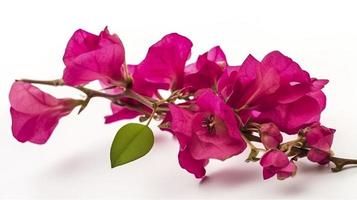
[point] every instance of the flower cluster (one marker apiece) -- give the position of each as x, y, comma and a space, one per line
214, 109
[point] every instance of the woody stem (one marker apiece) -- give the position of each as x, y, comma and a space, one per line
56, 82
341, 162
59, 82
128, 93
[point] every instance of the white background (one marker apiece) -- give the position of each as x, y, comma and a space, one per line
320, 35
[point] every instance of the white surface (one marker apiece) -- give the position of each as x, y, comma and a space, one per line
320, 35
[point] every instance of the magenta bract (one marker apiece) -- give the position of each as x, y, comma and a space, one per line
165, 61
204, 73
89, 57
35, 114
274, 90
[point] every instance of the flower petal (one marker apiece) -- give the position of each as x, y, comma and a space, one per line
196, 167
34, 113
120, 113
165, 61
89, 57
206, 71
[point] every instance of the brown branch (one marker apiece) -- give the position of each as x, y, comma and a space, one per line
341, 162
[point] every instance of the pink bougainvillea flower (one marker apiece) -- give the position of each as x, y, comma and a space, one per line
319, 139
242, 86
205, 72
89, 57
207, 130
270, 135
277, 162
163, 66
35, 114
274, 90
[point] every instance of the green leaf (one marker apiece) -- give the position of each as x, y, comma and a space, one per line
131, 142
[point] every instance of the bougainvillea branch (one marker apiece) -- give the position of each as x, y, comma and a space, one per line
214, 110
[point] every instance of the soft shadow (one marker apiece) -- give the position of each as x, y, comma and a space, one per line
92, 157
313, 168
230, 177
294, 189
80, 162
299, 185
238, 177
161, 138
62, 179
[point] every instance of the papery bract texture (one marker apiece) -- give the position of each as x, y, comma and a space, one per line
163, 66
204, 73
274, 90
35, 114
89, 57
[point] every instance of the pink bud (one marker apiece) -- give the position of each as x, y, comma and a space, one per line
277, 162
270, 135
319, 139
